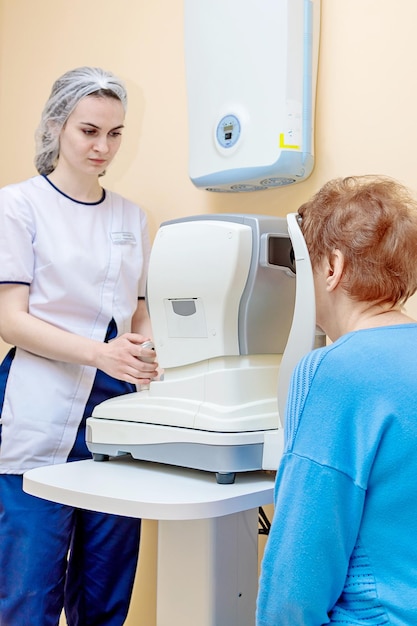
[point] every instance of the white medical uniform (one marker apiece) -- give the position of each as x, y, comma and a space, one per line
85, 264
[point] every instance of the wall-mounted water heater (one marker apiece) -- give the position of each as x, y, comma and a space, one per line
251, 68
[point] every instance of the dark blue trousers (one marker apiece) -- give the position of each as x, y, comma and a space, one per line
54, 555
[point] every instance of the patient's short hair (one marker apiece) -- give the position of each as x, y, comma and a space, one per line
372, 220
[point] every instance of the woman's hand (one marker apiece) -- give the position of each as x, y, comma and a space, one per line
122, 359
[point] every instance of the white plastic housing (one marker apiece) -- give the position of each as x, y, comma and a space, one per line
251, 72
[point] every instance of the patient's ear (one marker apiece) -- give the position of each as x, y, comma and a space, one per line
335, 267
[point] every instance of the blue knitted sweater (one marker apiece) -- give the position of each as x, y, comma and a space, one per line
343, 543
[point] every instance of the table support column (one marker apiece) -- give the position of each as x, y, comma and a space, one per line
208, 571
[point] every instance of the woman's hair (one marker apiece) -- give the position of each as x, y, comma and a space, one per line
372, 220
66, 93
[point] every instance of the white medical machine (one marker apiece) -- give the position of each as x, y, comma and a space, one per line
251, 73
231, 300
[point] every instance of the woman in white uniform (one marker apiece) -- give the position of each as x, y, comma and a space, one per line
73, 262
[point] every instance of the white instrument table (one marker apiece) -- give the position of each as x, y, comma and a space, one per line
207, 533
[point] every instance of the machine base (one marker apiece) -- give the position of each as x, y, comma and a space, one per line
237, 452
218, 459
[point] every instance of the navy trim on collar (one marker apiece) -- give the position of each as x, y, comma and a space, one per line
73, 199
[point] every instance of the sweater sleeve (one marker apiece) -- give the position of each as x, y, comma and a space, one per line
317, 515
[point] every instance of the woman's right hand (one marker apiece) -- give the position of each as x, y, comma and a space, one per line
122, 358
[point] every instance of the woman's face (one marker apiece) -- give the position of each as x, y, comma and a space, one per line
91, 135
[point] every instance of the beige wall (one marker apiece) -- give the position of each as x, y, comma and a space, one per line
367, 92
366, 122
